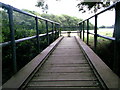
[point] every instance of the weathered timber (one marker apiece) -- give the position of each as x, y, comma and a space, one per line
64, 83
110, 79
19, 78
65, 67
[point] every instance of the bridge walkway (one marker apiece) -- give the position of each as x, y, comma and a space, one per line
65, 67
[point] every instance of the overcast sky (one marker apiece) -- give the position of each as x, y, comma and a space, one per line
62, 7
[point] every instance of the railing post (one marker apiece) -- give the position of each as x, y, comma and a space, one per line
116, 64
37, 34
52, 32
58, 30
95, 31
87, 31
80, 26
83, 29
55, 32
12, 32
47, 33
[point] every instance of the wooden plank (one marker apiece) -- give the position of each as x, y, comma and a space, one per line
67, 54
17, 80
64, 88
60, 63
64, 76
63, 46
64, 83
65, 69
67, 65
64, 51
66, 61
66, 58
110, 79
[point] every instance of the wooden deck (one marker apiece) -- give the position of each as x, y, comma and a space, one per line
65, 67
67, 63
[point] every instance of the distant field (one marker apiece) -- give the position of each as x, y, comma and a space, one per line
106, 32
101, 41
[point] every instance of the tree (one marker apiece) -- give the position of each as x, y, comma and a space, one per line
67, 21
43, 5
92, 6
83, 5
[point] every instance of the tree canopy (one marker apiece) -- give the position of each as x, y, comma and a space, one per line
88, 6
83, 5
42, 4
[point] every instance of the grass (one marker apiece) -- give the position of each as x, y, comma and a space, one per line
105, 48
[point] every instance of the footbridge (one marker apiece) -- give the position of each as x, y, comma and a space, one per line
66, 62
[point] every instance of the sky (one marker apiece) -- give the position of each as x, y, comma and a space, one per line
67, 7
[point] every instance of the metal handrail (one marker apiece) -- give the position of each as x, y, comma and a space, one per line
115, 39
55, 30
106, 37
108, 8
23, 39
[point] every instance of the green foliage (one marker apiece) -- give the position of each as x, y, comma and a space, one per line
25, 26
5, 26
42, 5
66, 21
89, 5
94, 5
105, 48
83, 5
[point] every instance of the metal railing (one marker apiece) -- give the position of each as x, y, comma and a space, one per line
115, 39
54, 32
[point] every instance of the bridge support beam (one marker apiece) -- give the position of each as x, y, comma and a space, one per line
116, 66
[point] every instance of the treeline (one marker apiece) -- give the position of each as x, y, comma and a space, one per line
67, 22
24, 26
64, 20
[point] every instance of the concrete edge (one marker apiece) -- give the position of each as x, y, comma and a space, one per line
111, 80
21, 76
